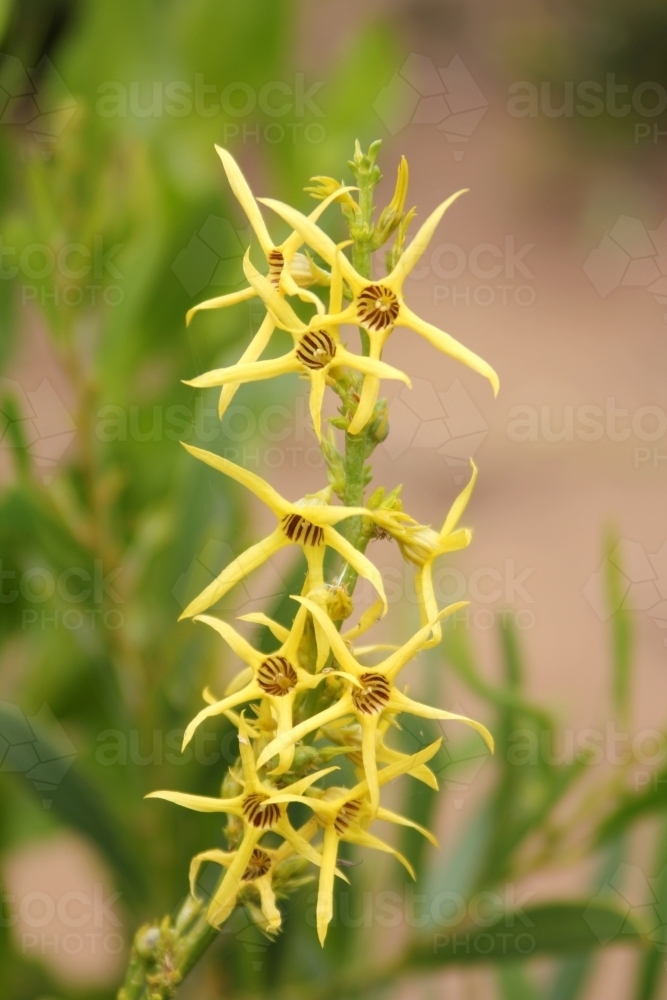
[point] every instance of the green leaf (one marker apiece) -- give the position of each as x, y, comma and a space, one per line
566, 928
621, 626
651, 973
635, 807
44, 761
515, 983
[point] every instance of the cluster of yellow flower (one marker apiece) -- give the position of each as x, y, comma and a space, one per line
315, 697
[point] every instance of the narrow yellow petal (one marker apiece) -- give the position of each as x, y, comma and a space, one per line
391, 666
253, 371
458, 507
311, 725
297, 842
315, 238
282, 709
251, 353
369, 366
241, 646
199, 803
403, 765
423, 236
324, 911
282, 311
368, 725
367, 620
392, 817
250, 480
259, 618
340, 650
448, 345
268, 902
246, 199
357, 560
247, 693
249, 560
224, 899
221, 302
223, 858
318, 381
401, 703
293, 242
365, 839
367, 400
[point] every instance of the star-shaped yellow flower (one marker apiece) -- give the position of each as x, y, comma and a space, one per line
422, 545
345, 814
278, 678
316, 354
259, 812
258, 876
307, 523
379, 306
373, 694
289, 271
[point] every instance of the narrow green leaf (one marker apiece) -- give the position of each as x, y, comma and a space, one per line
44, 761
621, 626
566, 928
635, 807
651, 975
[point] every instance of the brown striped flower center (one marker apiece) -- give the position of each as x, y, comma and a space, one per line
346, 816
316, 349
298, 529
378, 307
259, 864
258, 812
276, 676
276, 264
373, 696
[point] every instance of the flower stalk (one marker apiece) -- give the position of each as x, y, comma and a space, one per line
313, 717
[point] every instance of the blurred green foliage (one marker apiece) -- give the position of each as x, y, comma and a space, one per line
120, 520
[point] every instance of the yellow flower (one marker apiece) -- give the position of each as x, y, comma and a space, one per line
316, 354
378, 306
373, 695
258, 875
259, 811
345, 814
422, 545
308, 523
277, 678
289, 270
